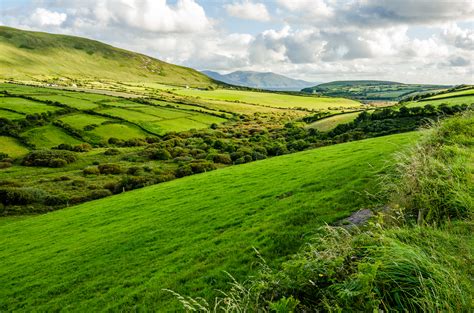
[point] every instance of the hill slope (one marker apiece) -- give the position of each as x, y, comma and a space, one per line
370, 89
270, 81
119, 253
26, 55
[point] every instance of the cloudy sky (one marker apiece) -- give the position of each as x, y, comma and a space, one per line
417, 41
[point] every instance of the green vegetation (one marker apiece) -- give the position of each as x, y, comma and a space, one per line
372, 90
25, 106
61, 59
48, 136
182, 234
462, 95
12, 147
329, 123
416, 256
275, 100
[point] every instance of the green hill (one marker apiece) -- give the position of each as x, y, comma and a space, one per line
27, 55
119, 253
371, 90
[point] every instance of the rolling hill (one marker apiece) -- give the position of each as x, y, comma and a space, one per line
268, 80
371, 90
118, 253
27, 55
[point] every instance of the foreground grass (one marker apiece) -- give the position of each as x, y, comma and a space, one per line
119, 253
415, 257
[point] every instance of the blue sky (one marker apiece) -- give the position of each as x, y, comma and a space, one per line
317, 40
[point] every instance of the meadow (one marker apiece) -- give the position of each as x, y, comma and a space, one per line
119, 253
458, 96
329, 123
275, 100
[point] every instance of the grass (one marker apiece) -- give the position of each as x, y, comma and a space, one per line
271, 99
48, 136
118, 253
12, 147
79, 121
25, 106
467, 92
75, 103
11, 115
327, 124
120, 131
29, 55
449, 101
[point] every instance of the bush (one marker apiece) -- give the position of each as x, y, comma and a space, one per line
110, 168
91, 170
3, 156
112, 151
5, 165
83, 147
49, 158
159, 154
222, 158
21, 195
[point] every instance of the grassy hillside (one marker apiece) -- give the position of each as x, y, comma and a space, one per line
455, 96
26, 55
118, 253
371, 90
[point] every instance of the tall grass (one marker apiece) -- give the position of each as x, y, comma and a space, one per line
433, 181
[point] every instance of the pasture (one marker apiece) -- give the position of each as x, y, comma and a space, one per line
25, 106
328, 123
119, 253
12, 147
275, 100
48, 136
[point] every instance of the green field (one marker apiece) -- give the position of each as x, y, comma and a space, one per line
9, 115
271, 99
79, 121
326, 124
12, 147
79, 104
448, 100
467, 92
119, 253
25, 106
120, 131
48, 136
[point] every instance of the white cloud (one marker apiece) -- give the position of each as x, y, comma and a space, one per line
309, 8
248, 10
43, 17
186, 16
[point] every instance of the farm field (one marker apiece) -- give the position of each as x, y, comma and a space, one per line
451, 98
9, 115
467, 92
272, 99
326, 124
25, 106
48, 136
12, 147
131, 246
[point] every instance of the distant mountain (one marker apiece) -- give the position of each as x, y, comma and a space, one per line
270, 81
371, 90
27, 55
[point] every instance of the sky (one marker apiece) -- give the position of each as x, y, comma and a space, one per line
412, 41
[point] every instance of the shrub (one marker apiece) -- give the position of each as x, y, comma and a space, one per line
3, 156
184, 170
222, 158
5, 165
91, 170
83, 147
159, 154
49, 158
110, 168
21, 195
112, 151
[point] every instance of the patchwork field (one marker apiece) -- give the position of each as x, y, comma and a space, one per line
48, 136
271, 99
461, 97
12, 147
25, 106
326, 124
119, 253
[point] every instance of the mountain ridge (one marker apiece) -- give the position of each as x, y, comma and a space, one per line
261, 80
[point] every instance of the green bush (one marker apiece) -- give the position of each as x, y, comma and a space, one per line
112, 152
110, 168
49, 158
91, 170
21, 195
